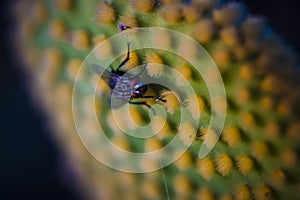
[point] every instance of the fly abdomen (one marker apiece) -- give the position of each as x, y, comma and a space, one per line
123, 89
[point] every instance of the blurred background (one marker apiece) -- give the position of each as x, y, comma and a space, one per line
31, 165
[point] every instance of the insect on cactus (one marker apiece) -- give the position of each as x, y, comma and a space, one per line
127, 88
256, 156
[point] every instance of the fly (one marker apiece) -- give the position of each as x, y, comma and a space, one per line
126, 89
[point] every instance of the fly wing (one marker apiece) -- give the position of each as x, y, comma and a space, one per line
109, 78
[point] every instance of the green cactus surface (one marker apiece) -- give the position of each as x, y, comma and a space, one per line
256, 155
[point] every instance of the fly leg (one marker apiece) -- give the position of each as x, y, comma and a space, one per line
142, 103
157, 98
126, 59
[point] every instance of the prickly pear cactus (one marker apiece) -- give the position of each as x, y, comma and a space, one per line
253, 156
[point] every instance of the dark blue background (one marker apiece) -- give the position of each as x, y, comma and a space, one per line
30, 163
29, 160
